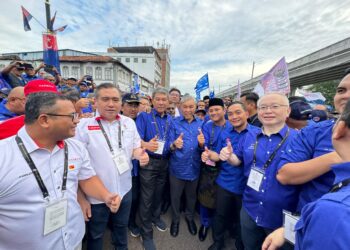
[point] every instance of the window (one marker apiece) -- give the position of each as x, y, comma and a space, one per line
108, 74
65, 71
127, 60
98, 73
89, 71
75, 72
136, 60
144, 60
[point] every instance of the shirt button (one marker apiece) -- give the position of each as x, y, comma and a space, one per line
263, 190
264, 178
268, 152
261, 202
270, 140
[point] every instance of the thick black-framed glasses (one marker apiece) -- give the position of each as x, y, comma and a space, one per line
74, 115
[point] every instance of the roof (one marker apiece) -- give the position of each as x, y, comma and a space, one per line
135, 49
86, 59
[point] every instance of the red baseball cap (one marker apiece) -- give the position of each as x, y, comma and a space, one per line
39, 85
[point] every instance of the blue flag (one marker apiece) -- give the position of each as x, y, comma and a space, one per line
136, 88
211, 94
203, 83
51, 51
26, 18
198, 95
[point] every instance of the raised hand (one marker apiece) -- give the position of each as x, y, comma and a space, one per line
153, 144
226, 152
179, 141
144, 158
200, 138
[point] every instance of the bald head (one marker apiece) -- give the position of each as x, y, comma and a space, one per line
275, 96
16, 100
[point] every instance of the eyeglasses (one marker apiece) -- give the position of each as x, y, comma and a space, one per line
74, 116
273, 107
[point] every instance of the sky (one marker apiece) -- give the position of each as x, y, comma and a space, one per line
221, 38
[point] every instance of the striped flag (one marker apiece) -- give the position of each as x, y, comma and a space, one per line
26, 18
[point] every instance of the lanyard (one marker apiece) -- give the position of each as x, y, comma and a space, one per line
106, 137
272, 156
35, 171
157, 129
340, 185
211, 140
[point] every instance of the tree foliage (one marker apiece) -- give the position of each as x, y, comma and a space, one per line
326, 88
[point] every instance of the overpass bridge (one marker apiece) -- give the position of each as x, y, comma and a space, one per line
326, 64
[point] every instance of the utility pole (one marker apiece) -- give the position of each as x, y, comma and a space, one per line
48, 16
253, 70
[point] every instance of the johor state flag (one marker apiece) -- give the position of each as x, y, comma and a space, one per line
26, 18
203, 83
51, 51
277, 78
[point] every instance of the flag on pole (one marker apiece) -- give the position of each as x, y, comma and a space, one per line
60, 29
51, 50
277, 78
203, 83
198, 95
136, 87
26, 18
310, 96
52, 21
259, 90
211, 94
239, 91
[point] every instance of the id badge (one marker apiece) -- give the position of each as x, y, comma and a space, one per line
290, 221
255, 178
121, 162
160, 147
55, 215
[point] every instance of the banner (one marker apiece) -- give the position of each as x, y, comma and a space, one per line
203, 83
259, 90
310, 96
277, 78
198, 95
136, 87
211, 94
51, 51
239, 91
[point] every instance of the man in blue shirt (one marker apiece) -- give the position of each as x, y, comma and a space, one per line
324, 223
184, 164
30, 73
231, 181
13, 105
211, 133
308, 159
264, 197
153, 128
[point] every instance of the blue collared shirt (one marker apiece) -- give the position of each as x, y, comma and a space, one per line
212, 134
312, 141
185, 163
325, 224
147, 124
231, 178
5, 114
28, 78
265, 207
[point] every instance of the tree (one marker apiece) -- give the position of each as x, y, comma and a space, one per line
326, 88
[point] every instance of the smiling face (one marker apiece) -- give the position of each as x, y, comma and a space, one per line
237, 116
342, 94
108, 103
216, 113
188, 109
273, 110
160, 102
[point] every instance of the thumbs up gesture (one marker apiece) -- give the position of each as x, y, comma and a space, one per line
200, 138
205, 155
143, 158
153, 144
226, 152
179, 141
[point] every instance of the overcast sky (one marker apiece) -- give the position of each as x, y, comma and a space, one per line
222, 38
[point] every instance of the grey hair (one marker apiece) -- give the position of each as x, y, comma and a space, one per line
160, 90
186, 98
38, 103
72, 94
285, 98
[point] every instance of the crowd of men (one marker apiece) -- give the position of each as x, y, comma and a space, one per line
261, 168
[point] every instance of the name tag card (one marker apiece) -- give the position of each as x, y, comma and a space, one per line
255, 178
55, 216
160, 147
121, 162
289, 226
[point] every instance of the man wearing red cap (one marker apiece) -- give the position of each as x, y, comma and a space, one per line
10, 127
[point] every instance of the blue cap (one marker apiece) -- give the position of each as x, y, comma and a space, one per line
319, 115
300, 110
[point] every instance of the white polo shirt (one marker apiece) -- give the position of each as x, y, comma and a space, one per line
22, 205
89, 132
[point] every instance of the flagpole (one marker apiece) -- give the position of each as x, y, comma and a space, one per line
39, 22
48, 16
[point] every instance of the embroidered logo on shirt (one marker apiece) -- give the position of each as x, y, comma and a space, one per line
94, 128
71, 167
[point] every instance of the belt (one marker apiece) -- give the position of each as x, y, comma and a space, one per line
158, 157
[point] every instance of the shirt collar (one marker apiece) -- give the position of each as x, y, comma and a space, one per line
157, 114
341, 171
100, 118
244, 130
281, 133
30, 144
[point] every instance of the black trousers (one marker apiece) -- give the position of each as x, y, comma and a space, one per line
177, 187
135, 189
152, 181
228, 206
